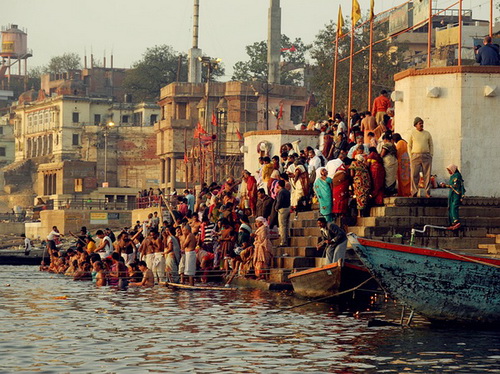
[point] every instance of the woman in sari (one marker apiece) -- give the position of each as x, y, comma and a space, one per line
388, 155
361, 182
340, 186
299, 179
455, 196
377, 174
404, 181
323, 190
262, 248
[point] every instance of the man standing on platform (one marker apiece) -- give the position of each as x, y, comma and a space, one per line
421, 151
380, 106
488, 54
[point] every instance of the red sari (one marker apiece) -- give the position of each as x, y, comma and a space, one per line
252, 192
340, 187
377, 174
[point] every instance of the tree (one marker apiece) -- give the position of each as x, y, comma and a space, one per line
160, 66
63, 63
388, 59
256, 66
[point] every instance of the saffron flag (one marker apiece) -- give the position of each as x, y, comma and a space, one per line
199, 130
280, 113
372, 9
186, 159
238, 134
356, 12
340, 23
291, 49
214, 119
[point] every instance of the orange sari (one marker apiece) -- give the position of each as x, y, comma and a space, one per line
404, 181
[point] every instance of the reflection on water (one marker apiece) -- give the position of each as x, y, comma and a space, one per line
159, 330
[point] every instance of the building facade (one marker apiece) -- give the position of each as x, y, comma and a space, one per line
76, 143
228, 111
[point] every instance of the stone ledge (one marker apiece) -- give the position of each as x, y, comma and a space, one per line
447, 70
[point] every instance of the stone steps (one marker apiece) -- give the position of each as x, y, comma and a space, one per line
417, 211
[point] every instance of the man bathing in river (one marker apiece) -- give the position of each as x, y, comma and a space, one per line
148, 279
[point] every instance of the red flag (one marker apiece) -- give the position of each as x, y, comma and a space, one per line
291, 49
199, 130
214, 119
238, 134
186, 159
280, 113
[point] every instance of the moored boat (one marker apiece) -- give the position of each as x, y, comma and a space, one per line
317, 282
440, 285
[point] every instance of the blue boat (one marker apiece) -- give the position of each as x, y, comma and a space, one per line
438, 284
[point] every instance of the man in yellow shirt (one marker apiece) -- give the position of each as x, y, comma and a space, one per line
421, 150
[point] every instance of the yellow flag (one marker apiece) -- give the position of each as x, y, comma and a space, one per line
356, 12
340, 23
372, 9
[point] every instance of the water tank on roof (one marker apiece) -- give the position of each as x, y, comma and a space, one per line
14, 42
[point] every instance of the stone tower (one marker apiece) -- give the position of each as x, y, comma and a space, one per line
274, 42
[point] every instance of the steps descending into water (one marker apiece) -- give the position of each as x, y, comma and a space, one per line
393, 222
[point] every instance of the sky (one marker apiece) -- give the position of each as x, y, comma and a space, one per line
127, 28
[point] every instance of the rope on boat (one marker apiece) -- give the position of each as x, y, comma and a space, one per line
469, 259
323, 298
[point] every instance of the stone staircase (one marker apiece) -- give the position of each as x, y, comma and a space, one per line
479, 234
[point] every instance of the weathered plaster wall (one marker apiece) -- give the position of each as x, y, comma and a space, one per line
276, 138
462, 120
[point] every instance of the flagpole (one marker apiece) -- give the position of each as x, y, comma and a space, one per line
370, 64
460, 32
429, 35
350, 79
335, 72
491, 18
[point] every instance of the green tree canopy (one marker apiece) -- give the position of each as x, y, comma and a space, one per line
159, 66
63, 63
388, 59
256, 66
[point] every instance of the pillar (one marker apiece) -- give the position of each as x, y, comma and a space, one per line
166, 171
172, 173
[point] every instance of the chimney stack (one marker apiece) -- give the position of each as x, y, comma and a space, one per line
194, 73
274, 42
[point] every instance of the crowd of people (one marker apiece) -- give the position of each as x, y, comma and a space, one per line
227, 229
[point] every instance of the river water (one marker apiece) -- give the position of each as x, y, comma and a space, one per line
50, 324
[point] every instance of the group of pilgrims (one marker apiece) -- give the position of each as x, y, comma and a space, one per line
226, 229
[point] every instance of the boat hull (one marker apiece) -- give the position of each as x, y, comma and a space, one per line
317, 282
439, 285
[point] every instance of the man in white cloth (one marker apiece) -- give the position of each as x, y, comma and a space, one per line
187, 268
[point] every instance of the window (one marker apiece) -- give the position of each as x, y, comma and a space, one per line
2, 151
152, 119
76, 117
181, 110
138, 119
79, 185
97, 119
1, 130
76, 140
124, 119
296, 114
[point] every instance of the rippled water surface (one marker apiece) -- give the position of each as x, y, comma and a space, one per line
48, 323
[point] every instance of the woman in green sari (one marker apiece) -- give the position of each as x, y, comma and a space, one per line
455, 196
323, 191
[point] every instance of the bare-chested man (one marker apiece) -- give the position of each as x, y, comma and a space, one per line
149, 247
148, 279
187, 266
158, 266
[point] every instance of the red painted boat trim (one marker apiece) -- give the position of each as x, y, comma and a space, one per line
314, 270
356, 267
425, 251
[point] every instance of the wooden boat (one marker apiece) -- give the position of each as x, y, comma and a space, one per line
317, 282
438, 284
196, 288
